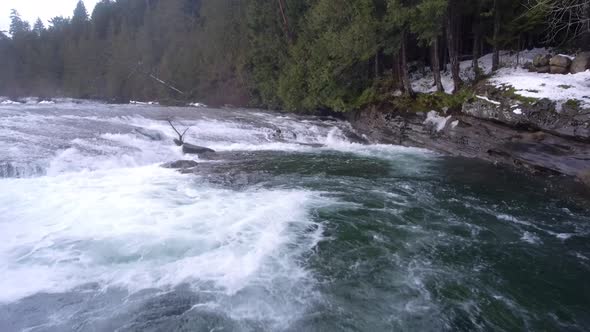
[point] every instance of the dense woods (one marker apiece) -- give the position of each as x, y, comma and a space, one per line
293, 54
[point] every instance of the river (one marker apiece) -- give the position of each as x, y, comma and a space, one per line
291, 226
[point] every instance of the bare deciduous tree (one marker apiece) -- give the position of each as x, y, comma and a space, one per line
566, 19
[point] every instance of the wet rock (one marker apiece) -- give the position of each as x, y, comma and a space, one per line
181, 164
584, 176
541, 114
541, 60
581, 63
152, 135
498, 138
195, 149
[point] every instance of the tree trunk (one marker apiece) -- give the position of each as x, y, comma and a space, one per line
403, 61
496, 37
435, 53
378, 64
476, 43
395, 72
585, 39
476, 69
286, 27
452, 29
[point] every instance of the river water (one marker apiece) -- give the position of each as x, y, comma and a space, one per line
289, 227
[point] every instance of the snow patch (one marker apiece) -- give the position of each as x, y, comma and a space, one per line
517, 111
438, 121
488, 100
558, 88
423, 80
200, 105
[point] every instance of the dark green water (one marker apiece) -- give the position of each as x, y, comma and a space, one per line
439, 244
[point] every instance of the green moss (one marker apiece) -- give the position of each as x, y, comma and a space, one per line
565, 86
573, 103
433, 101
511, 93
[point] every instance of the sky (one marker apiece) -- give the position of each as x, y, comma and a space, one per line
45, 9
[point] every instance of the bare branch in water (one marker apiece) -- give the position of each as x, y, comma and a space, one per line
180, 140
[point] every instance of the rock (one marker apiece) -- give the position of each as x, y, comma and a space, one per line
560, 61
541, 60
559, 70
543, 70
489, 133
529, 66
581, 63
181, 164
153, 135
195, 149
584, 176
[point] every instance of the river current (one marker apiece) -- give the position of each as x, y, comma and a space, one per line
291, 226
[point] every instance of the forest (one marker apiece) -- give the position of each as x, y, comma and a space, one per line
298, 55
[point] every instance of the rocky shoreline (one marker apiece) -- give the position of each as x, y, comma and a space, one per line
492, 126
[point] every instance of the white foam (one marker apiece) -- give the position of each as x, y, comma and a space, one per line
147, 227
530, 238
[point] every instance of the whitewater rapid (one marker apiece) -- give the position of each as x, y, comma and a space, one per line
84, 201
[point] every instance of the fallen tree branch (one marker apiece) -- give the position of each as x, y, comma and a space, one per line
180, 140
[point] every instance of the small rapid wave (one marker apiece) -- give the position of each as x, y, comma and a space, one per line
91, 137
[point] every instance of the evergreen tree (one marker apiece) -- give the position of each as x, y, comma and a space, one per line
39, 27
18, 27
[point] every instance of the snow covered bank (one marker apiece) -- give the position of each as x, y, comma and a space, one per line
558, 88
423, 82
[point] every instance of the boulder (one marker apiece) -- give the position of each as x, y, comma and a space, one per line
541, 60
543, 70
560, 61
581, 63
195, 149
559, 70
181, 164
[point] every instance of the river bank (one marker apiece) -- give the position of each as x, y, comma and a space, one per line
468, 134
518, 117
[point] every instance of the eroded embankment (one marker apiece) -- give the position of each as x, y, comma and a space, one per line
494, 125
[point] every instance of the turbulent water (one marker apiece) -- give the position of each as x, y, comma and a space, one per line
289, 227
